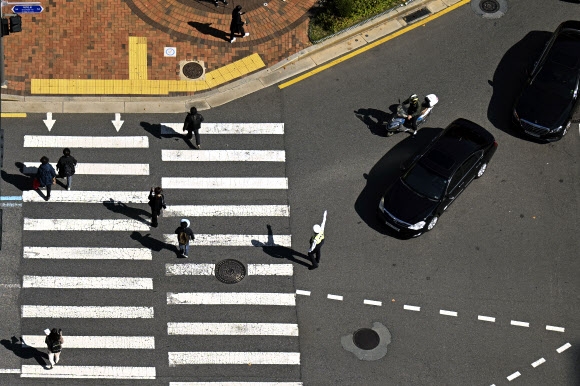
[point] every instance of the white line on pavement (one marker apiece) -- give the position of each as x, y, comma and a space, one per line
226, 128
448, 313
235, 298
223, 155
87, 312
58, 253
77, 142
235, 240
9, 371
513, 376
209, 269
334, 297
227, 210
89, 197
71, 282
234, 383
63, 224
373, 302
521, 324
411, 308
87, 372
554, 328
93, 342
282, 329
233, 358
97, 169
302, 292
224, 183
270, 269
538, 362
563, 348
486, 318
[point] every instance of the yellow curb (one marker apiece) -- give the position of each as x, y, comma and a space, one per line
12, 115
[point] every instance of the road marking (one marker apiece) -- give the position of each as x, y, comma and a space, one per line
89, 197
554, 328
373, 302
235, 240
224, 155
411, 308
334, 297
209, 269
10, 198
448, 313
97, 169
486, 318
233, 358
224, 183
10, 285
70, 282
234, 383
281, 329
10, 204
513, 376
86, 372
234, 298
372, 45
226, 128
302, 292
521, 324
63, 224
270, 269
92, 342
563, 348
227, 210
87, 312
538, 362
9, 371
58, 253
77, 142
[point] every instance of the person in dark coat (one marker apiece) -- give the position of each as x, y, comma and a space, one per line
46, 175
66, 167
192, 123
184, 236
237, 24
156, 202
54, 343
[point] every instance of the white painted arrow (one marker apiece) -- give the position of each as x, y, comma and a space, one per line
49, 122
118, 122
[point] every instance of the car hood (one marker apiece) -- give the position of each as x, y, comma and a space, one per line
406, 205
543, 107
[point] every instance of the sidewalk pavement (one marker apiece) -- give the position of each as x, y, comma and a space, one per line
113, 50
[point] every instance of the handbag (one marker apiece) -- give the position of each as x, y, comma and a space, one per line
35, 183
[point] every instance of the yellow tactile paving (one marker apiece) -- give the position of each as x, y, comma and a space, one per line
137, 57
12, 115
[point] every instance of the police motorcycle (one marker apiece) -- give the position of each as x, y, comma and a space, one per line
398, 121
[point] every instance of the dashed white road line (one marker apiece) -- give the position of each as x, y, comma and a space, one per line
486, 318
232, 298
64, 224
233, 358
89, 197
223, 155
249, 183
538, 362
70, 282
87, 312
554, 328
226, 128
227, 210
88, 372
87, 253
334, 297
97, 169
267, 329
94, 342
521, 324
225, 240
85, 141
513, 376
411, 308
373, 302
563, 348
302, 292
448, 313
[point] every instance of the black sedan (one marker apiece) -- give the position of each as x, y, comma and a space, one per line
434, 178
549, 100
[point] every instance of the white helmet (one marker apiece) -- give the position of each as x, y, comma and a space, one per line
185, 221
316, 228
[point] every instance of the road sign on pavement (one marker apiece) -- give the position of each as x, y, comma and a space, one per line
27, 9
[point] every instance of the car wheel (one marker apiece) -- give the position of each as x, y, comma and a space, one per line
481, 170
432, 223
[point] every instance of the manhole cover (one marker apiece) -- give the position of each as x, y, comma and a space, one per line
489, 6
192, 70
230, 271
366, 339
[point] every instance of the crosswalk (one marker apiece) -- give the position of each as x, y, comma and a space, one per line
94, 266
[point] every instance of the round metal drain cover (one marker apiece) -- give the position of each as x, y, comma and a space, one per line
230, 271
489, 6
192, 70
366, 339
489, 9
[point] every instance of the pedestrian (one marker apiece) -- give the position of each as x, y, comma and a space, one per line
156, 202
66, 167
237, 24
193, 122
46, 175
216, 2
54, 343
316, 242
184, 236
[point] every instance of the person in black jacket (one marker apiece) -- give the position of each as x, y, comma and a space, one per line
156, 202
54, 343
66, 167
413, 111
184, 236
46, 175
237, 24
193, 122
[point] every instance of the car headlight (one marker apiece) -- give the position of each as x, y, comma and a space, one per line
382, 204
417, 226
556, 130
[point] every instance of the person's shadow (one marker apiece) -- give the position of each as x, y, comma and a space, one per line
20, 181
156, 131
278, 251
153, 129
25, 352
120, 207
376, 120
150, 243
207, 29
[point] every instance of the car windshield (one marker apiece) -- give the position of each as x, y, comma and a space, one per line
557, 78
425, 182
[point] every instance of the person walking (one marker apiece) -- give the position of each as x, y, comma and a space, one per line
54, 341
184, 236
316, 242
156, 202
46, 175
193, 122
66, 167
237, 24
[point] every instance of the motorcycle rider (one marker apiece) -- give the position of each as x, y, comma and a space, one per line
413, 111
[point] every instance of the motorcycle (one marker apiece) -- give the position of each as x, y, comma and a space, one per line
398, 121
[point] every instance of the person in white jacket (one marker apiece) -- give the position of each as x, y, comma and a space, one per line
316, 242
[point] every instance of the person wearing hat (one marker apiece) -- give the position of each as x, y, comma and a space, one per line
184, 236
237, 24
192, 123
316, 241
54, 343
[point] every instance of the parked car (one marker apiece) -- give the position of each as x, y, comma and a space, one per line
433, 179
549, 100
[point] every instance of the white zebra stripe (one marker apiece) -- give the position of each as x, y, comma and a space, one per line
70, 282
235, 383
89, 197
280, 329
209, 269
77, 142
222, 240
233, 298
224, 183
270, 269
233, 358
226, 128
63, 224
227, 210
97, 169
88, 372
58, 253
94, 342
87, 312
224, 155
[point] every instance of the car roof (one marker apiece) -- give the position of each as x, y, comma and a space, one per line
566, 49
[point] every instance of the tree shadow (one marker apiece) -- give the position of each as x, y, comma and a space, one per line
278, 251
122, 208
207, 29
376, 120
155, 245
21, 350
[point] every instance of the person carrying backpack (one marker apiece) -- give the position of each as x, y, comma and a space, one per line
46, 175
54, 343
66, 167
192, 123
184, 236
156, 202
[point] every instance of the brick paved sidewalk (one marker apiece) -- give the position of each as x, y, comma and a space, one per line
89, 40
